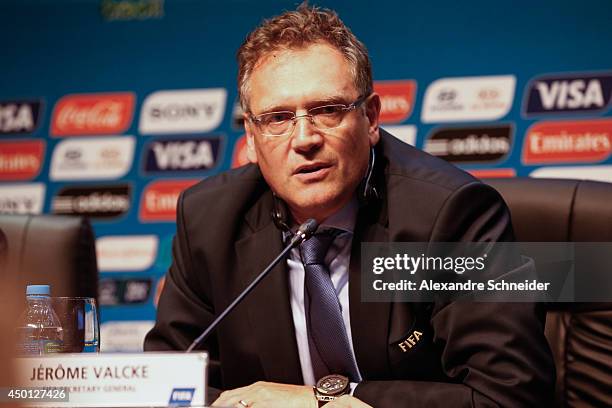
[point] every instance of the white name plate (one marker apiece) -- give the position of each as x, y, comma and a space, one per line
116, 380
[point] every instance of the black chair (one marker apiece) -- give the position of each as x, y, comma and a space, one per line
50, 249
579, 334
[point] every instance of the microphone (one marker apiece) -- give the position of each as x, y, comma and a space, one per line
304, 232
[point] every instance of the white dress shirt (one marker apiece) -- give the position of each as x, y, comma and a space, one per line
337, 258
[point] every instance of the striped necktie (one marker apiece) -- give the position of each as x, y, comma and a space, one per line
327, 337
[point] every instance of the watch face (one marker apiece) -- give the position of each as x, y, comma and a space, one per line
332, 384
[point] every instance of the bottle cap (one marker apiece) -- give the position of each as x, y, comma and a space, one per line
38, 290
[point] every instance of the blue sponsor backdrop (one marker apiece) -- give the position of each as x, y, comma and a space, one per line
54, 48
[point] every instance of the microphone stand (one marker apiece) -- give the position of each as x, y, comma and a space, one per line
304, 232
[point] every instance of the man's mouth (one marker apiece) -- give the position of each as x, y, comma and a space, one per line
312, 171
311, 168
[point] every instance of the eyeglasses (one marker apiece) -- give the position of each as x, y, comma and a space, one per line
322, 117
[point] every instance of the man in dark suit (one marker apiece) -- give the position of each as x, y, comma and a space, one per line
312, 130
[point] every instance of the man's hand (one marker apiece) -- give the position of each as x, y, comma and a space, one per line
346, 401
266, 394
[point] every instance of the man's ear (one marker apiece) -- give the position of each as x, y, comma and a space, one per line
250, 138
372, 110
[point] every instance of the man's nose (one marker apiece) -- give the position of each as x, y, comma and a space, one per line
305, 136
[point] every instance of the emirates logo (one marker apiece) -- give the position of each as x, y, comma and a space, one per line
581, 141
21, 160
158, 200
397, 98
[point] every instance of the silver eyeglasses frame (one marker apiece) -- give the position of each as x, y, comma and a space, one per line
257, 120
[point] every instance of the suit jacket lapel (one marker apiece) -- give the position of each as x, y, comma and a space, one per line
268, 305
369, 321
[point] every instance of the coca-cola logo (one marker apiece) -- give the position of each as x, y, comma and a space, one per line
396, 98
93, 114
21, 160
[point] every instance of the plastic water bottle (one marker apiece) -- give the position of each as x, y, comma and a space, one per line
39, 330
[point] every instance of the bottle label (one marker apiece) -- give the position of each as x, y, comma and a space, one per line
28, 347
52, 347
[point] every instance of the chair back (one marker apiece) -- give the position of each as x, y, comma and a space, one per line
50, 249
579, 334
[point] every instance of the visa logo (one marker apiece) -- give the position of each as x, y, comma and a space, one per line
181, 396
587, 93
19, 116
181, 155
571, 94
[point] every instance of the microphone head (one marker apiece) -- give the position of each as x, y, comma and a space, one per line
308, 228
304, 231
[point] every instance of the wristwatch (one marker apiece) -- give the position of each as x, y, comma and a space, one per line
331, 387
